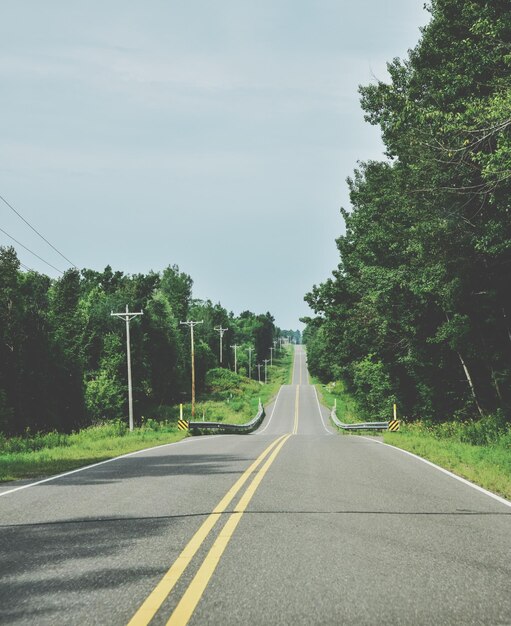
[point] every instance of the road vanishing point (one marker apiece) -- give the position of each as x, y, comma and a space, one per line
293, 524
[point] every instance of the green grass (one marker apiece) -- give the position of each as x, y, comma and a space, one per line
234, 399
335, 392
52, 453
487, 465
478, 451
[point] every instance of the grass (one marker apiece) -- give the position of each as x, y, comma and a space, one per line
478, 451
232, 399
486, 464
52, 453
235, 399
335, 393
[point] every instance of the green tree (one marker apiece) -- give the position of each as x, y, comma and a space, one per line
421, 289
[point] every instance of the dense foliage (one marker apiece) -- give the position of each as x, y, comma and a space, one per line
63, 356
419, 309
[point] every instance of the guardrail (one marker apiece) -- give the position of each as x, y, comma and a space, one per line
358, 425
197, 428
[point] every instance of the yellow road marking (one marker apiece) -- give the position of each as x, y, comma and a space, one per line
297, 399
184, 610
156, 598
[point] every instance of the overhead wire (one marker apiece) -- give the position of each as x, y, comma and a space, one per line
36, 231
25, 267
29, 250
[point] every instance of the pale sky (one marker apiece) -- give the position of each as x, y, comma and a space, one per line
212, 135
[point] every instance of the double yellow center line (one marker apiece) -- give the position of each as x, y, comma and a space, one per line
297, 400
193, 594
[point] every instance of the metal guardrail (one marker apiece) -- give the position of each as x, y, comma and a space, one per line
358, 425
197, 428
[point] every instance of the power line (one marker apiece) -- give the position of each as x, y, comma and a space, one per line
28, 249
25, 267
36, 231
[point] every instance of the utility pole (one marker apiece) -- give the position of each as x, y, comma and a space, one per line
127, 316
266, 361
250, 361
259, 365
271, 356
221, 331
235, 346
192, 324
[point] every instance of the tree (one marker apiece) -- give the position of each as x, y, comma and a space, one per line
66, 324
421, 290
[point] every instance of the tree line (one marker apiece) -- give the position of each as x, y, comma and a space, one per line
418, 310
63, 356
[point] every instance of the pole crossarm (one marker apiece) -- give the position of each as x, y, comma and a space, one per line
127, 316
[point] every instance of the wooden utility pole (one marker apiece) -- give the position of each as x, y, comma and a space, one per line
192, 324
235, 346
127, 316
250, 349
221, 331
266, 361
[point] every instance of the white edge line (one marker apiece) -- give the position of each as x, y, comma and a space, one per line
320, 413
115, 458
273, 411
444, 471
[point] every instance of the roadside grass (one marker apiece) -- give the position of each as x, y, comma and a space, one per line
478, 451
53, 453
335, 392
487, 465
232, 399
235, 399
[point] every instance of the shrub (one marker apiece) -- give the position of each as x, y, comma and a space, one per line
374, 389
104, 396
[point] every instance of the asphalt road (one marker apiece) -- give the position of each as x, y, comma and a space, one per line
294, 524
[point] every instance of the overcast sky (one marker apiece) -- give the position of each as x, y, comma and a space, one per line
212, 135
